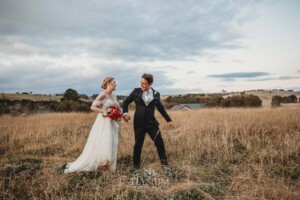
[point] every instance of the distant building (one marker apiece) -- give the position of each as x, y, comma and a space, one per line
188, 106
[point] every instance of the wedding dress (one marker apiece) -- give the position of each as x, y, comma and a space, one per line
102, 143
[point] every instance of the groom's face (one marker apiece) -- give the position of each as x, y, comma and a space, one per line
145, 85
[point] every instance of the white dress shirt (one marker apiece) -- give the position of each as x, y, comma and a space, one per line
148, 96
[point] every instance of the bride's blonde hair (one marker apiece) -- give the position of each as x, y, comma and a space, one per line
106, 81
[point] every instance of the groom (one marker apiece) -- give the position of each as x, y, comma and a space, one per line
146, 99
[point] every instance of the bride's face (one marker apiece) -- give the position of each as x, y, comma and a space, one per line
113, 84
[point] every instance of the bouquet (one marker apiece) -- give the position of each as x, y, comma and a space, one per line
114, 113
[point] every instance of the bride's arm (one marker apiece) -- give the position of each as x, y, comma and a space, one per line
98, 104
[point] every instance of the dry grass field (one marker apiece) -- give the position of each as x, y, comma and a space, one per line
213, 154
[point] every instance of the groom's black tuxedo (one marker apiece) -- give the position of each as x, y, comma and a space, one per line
144, 114
145, 122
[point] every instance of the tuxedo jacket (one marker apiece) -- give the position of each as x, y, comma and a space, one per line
144, 114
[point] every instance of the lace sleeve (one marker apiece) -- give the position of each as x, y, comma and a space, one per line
98, 104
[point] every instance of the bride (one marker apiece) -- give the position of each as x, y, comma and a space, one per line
102, 144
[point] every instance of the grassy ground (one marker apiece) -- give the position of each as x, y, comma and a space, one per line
213, 154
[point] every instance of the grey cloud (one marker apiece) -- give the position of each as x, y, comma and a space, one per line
127, 30
288, 77
239, 75
261, 79
45, 79
25, 46
229, 79
283, 78
129, 77
191, 72
237, 61
40, 78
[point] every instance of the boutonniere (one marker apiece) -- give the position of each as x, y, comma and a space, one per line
155, 92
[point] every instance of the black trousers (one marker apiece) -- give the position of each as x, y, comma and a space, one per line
155, 135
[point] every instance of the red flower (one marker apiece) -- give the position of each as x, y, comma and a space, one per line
114, 113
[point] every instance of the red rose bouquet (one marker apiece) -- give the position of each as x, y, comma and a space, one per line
114, 113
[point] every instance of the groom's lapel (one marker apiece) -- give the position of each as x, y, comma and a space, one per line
141, 93
155, 95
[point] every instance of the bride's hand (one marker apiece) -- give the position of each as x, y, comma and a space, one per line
104, 114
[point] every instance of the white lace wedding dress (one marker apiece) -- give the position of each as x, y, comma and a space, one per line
102, 145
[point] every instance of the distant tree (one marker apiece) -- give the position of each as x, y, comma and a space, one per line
64, 106
201, 99
237, 101
121, 97
70, 102
252, 101
225, 103
71, 94
293, 98
32, 105
83, 96
170, 105
52, 105
276, 100
188, 98
85, 107
75, 106
289, 99
4, 109
214, 101
168, 99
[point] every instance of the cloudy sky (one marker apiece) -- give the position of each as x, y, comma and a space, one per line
189, 46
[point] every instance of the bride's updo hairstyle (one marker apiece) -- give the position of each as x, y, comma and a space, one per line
106, 81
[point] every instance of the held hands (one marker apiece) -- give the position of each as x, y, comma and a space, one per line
126, 117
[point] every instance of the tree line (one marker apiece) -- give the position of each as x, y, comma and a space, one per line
277, 100
74, 102
216, 100
70, 102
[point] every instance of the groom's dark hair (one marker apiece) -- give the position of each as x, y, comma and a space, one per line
148, 78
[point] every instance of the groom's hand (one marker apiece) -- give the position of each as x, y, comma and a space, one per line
170, 124
126, 117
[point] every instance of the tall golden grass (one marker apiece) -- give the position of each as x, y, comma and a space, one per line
213, 154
